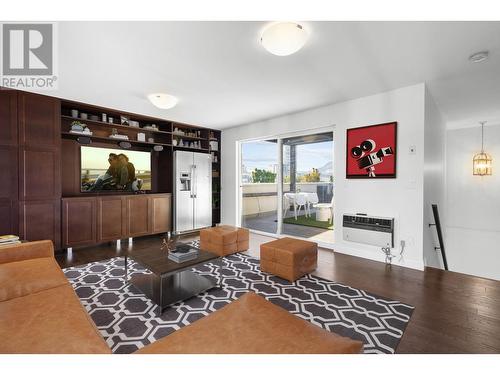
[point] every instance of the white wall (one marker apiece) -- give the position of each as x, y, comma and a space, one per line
434, 178
473, 204
401, 198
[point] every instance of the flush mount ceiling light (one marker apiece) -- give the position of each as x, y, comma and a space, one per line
481, 163
163, 101
479, 56
283, 38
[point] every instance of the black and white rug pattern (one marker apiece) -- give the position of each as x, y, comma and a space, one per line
128, 320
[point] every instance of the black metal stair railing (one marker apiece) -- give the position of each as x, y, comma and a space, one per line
437, 224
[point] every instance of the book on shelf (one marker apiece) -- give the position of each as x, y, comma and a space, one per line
119, 136
89, 133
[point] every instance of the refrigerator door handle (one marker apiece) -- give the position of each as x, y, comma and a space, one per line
195, 182
191, 191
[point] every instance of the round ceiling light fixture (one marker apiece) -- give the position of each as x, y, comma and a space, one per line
162, 100
479, 56
283, 38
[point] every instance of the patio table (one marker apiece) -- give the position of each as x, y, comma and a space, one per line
310, 198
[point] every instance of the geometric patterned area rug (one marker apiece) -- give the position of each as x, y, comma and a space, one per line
128, 320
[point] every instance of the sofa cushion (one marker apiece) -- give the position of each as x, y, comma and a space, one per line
50, 321
18, 279
253, 325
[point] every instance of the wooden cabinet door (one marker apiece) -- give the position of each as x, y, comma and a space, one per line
161, 213
8, 217
110, 215
78, 221
138, 215
40, 220
8, 191
39, 173
39, 120
9, 206
8, 118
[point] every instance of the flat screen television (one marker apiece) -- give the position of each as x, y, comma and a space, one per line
109, 169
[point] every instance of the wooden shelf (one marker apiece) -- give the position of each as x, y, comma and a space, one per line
191, 148
113, 140
188, 137
68, 105
109, 125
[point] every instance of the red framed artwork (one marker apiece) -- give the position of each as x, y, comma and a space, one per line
371, 151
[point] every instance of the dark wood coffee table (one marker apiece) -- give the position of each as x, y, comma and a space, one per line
170, 282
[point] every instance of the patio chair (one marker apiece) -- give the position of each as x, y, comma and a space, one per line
300, 201
312, 199
287, 201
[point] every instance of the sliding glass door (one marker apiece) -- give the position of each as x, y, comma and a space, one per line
259, 185
308, 187
286, 186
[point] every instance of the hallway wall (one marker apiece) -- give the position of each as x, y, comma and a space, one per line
434, 179
473, 203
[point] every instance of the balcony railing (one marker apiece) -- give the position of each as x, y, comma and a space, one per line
261, 198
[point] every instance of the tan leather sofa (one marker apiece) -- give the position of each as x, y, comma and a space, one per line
40, 313
252, 325
224, 240
39, 310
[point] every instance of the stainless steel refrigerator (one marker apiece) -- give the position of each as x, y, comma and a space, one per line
192, 191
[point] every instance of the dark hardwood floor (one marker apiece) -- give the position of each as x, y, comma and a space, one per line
454, 313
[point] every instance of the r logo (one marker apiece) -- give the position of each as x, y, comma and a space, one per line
27, 49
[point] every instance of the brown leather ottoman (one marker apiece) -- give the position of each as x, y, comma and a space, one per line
288, 258
224, 240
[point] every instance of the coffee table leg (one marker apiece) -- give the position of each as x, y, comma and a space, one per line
126, 270
160, 304
221, 268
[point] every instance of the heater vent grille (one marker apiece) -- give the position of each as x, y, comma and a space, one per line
371, 230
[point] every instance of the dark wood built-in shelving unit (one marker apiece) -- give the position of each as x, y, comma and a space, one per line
215, 136
40, 158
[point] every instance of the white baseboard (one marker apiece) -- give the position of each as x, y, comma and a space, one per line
378, 256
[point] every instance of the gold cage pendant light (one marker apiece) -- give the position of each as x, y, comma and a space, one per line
481, 163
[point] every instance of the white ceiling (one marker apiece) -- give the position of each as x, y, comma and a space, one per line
223, 77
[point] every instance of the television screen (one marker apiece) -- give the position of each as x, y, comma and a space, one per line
108, 169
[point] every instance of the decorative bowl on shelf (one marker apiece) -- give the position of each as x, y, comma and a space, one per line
79, 128
134, 124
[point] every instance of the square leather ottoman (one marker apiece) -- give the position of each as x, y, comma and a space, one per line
224, 240
289, 258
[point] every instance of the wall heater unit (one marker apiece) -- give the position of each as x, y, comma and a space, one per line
371, 230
